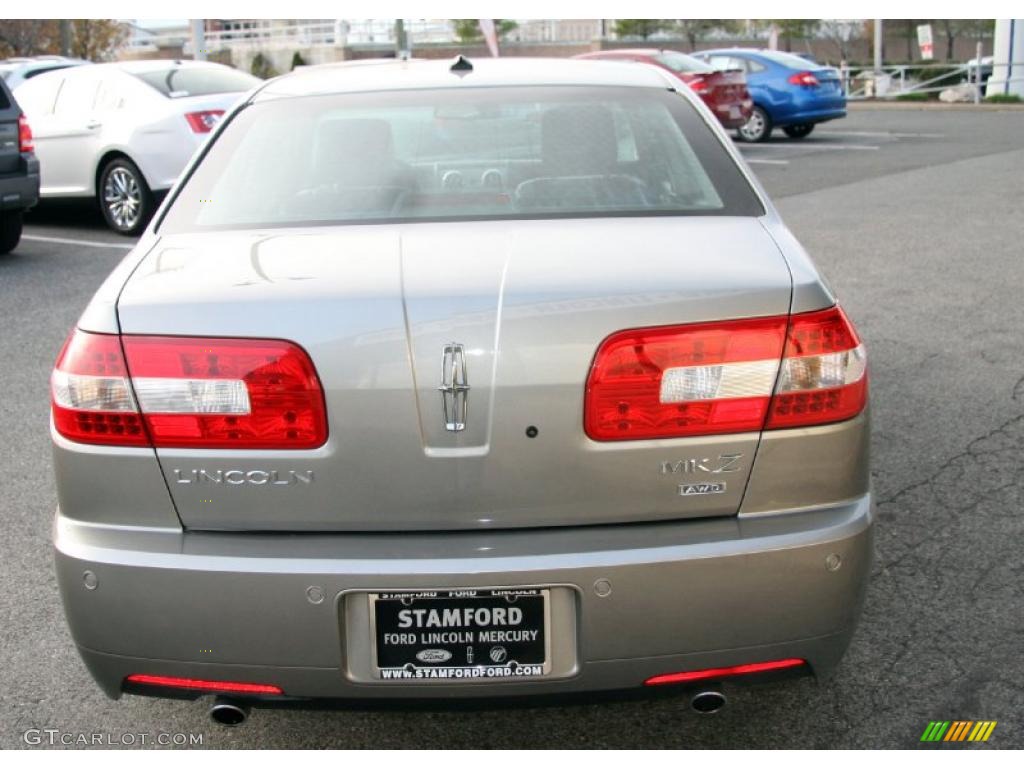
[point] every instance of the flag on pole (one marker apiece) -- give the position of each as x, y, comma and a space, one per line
490, 35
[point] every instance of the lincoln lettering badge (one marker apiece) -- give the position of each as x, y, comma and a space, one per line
454, 387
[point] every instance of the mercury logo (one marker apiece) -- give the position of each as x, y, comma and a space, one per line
242, 477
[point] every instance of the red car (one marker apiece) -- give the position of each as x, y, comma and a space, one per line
725, 92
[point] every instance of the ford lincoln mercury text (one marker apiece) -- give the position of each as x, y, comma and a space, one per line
462, 379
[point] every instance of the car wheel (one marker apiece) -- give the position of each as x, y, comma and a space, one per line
125, 198
757, 128
10, 230
798, 131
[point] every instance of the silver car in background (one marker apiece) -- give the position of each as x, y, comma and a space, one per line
497, 378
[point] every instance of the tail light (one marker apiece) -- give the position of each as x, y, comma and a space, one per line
212, 686
25, 143
823, 377
718, 673
170, 391
204, 121
803, 78
699, 85
715, 378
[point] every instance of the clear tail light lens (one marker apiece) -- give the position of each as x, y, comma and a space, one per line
204, 121
25, 142
179, 392
715, 378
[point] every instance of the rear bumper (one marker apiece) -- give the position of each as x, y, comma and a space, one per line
812, 115
733, 114
690, 595
20, 191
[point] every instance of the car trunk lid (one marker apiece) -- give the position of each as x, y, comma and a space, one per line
381, 310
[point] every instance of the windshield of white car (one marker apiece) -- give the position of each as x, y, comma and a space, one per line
461, 154
177, 82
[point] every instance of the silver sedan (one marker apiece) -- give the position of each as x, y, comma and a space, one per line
435, 379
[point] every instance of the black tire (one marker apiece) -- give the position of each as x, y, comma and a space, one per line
125, 199
10, 230
757, 128
801, 131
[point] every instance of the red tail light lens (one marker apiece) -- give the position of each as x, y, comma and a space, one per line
803, 78
204, 121
25, 142
823, 377
681, 381
699, 85
91, 395
226, 393
760, 667
715, 378
192, 684
187, 393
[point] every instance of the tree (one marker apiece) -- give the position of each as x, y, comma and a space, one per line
96, 39
261, 67
468, 30
91, 39
842, 32
643, 28
695, 30
790, 29
29, 37
297, 60
954, 28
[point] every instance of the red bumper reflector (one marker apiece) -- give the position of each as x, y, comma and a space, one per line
217, 686
708, 674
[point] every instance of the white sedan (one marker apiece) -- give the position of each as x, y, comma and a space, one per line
122, 131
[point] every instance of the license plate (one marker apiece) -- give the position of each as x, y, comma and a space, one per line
462, 634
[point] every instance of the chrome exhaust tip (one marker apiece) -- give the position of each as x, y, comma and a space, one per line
707, 702
228, 712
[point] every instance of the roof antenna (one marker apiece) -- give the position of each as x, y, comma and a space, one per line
461, 66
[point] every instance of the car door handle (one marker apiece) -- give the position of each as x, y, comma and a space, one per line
92, 125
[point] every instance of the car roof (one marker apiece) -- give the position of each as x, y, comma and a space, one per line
740, 51
394, 75
627, 51
150, 65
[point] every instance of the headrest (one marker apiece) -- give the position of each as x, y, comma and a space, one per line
579, 140
354, 141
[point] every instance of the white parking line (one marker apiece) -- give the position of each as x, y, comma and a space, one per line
764, 161
884, 134
812, 146
69, 241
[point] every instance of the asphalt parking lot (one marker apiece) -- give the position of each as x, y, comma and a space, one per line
917, 217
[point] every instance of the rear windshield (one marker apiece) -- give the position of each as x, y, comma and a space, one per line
789, 60
680, 62
176, 82
461, 154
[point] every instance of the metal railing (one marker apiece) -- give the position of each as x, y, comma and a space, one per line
903, 79
267, 35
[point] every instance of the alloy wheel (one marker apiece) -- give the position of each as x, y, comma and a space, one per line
122, 198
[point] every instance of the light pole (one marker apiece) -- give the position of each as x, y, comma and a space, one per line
199, 39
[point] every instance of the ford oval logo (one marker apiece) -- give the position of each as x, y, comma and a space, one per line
433, 655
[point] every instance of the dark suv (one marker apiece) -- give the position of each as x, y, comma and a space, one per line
19, 170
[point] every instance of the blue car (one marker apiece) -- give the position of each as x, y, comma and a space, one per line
789, 91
